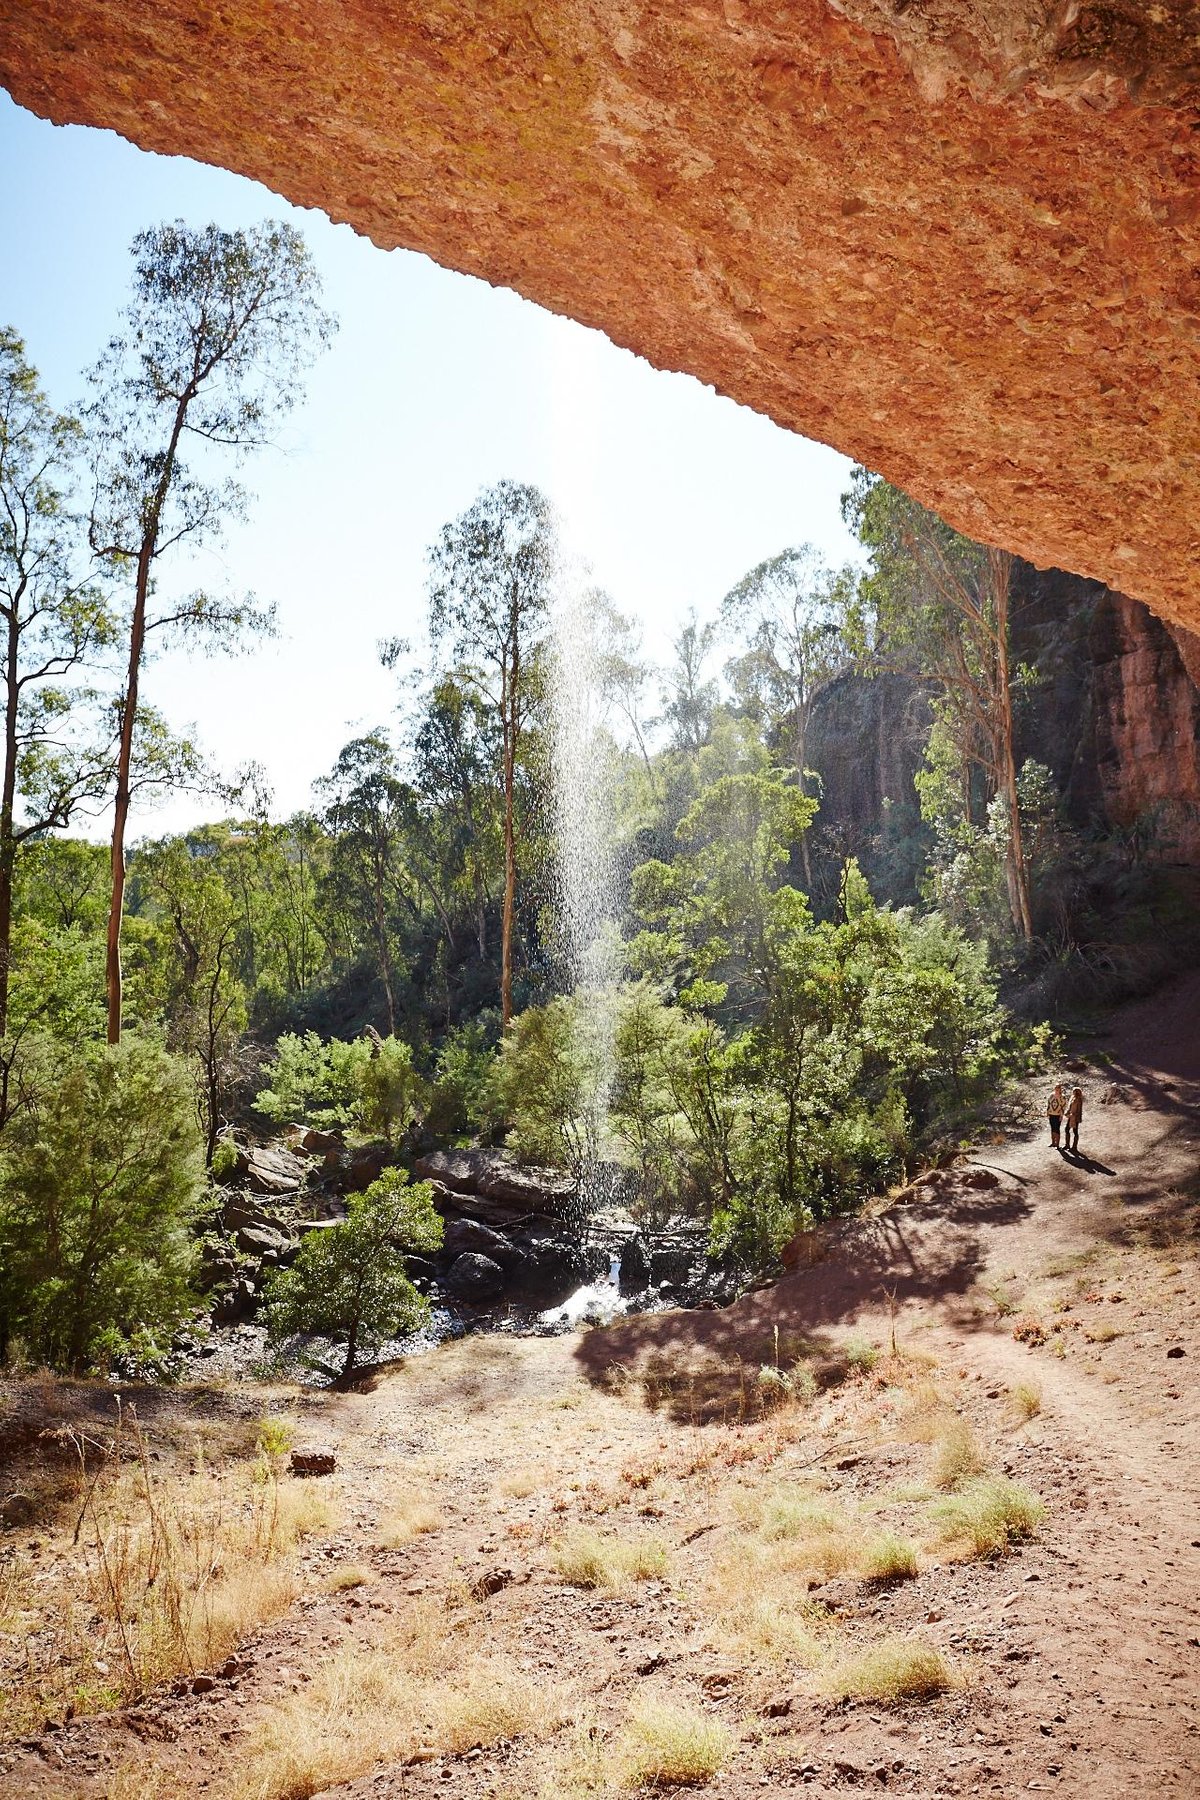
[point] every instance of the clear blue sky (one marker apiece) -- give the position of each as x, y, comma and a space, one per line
437, 384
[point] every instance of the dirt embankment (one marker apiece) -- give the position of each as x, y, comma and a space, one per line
542, 1550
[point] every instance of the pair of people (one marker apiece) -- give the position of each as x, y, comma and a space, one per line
1065, 1113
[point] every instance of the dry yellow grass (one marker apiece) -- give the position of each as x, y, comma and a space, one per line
669, 1744
594, 1559
177, 1569
1025, 1398
957, 1455
888, 1557
890, 1671
518, 1484
413, 1517
423, 1690
351, 1575
990, 1514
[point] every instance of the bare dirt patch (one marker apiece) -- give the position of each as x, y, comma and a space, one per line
921, 1518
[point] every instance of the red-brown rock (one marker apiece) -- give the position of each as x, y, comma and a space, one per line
960, 240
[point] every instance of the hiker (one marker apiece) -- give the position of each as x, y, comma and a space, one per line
1055, 1107
1073, 1116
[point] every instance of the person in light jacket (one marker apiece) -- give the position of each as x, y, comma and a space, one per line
1055, 1107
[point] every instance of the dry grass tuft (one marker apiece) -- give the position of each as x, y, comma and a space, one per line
341, 1581
889, 1557
410, 1518
490, 1702
1025, 1398
359, 1709
166, 1573
593, 1559
957, 1456
518, 1484
989, 1515
893, 1670
671, 1745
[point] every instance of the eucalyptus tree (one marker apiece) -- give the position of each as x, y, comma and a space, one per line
53, 624
799, 628
491, 582
364, 816
219, 329
944, 603
689, 696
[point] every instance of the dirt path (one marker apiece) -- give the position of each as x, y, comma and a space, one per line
1075, 1283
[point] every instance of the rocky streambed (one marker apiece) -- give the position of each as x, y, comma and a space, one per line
521, 1253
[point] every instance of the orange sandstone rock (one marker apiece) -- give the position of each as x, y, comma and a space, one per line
959, 239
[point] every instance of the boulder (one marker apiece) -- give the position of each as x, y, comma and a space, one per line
314, 1460
16, 1510
554, 1268
497, 1176
636, 1263
361, 1168
463, 1235
262, 1240
671, 1267
270, 1171
475, 1278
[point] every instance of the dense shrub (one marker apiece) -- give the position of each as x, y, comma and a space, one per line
101, 1175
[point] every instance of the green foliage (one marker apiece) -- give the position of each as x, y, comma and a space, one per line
461, 1099
314, 1082
350, 1282
100, 1180
389, 1090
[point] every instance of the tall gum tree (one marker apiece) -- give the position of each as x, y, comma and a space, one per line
943, 604
491, 582
218, 332
54, 624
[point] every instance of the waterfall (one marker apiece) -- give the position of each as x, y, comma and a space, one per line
587, 872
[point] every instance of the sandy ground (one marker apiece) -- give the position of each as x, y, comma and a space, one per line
1078, 1655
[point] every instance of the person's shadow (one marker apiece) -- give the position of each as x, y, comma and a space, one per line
1088, 1164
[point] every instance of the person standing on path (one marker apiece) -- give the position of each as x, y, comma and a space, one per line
1074, 1117
1055, 1106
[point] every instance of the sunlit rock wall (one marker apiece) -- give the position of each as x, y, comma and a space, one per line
960, 240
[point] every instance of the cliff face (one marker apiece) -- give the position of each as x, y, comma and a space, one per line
959, 239
1113, 711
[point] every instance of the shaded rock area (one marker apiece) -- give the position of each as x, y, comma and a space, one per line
959, 240
517, 1255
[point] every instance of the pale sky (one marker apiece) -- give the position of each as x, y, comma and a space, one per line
437, 385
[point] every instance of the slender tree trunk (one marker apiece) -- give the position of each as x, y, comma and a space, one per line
121, 799
510, 701
8, 847
510, 890
137, 645
1001, 568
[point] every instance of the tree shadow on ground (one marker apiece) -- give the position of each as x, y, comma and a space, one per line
929, 1249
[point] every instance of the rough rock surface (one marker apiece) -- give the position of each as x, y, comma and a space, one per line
960, 240
494, 1175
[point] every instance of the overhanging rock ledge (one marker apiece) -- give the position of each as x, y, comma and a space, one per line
959, 240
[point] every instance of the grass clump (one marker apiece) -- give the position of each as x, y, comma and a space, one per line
1025, 1398
889, 1557
668, 1744
411, 1518
891, 1671
492, 1701
989, 1515
342, 1581
861, 1354
518, 1484
594, 1559
957, 1455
